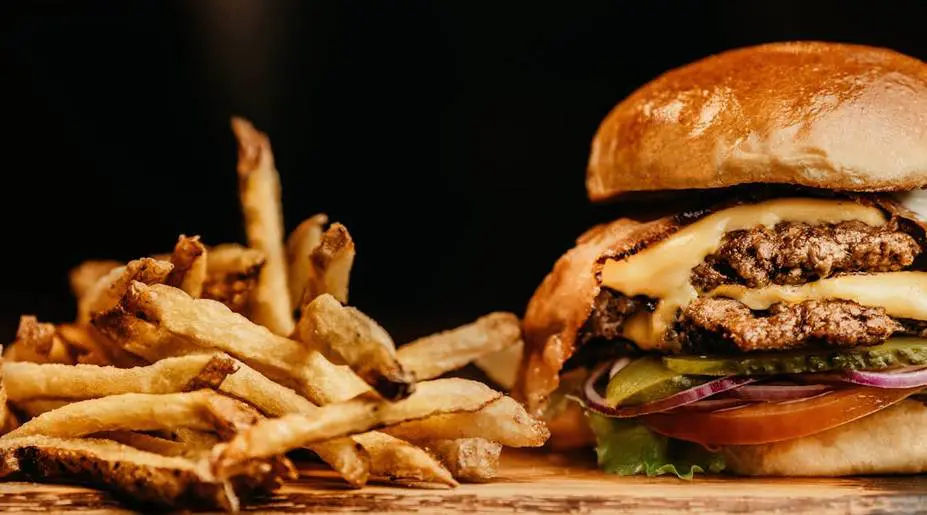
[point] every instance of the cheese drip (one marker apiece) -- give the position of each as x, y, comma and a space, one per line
902, 294
663, 270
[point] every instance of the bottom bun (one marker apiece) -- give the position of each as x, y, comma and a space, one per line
891, 441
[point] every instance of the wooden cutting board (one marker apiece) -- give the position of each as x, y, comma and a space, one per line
537, 482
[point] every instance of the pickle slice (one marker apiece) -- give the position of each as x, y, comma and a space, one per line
645, 380
894, 352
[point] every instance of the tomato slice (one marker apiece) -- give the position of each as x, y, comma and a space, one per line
775, 421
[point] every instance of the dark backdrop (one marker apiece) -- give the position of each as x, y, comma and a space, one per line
450, 137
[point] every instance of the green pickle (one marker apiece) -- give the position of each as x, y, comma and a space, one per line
645, 380
894, 352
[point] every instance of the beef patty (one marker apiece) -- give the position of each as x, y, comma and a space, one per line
719, 325
797, 253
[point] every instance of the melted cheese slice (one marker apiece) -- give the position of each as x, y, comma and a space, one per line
902, 294
663, 270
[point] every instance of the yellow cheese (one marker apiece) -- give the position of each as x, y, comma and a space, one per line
663, 270
902, 294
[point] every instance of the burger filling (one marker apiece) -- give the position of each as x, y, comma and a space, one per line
756, 324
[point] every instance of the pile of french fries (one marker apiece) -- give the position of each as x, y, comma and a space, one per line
188, 378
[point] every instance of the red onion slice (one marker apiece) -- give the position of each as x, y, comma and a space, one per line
617, 366
595, 402
909, 379
773, 393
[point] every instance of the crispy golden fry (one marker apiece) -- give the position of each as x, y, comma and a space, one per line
142, 338
108, 290
135, 475
468, 459
504, 421
25, 381
37, 343
85, 275
189, 260
212, 325
439, 353
279, 435
345, 335
232, 273
145, 442
35, 407
502, 366
402, 462
202, 409
299, 246
331, 263
259, 188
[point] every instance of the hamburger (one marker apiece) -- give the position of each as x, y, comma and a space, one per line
764, 310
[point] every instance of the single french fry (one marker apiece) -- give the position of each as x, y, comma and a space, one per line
168, 480
24, 381
402, 462
299, 246
85, 275
189, 260
504, 421
345, 335
106, 293
202, 410
442, 352
232, 273
142, 338
469, 459
331, 263
274, 436
259, 189
212, 325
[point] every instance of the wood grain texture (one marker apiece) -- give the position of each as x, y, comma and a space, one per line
539, 483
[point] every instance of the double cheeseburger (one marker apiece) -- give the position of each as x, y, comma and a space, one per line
772, 320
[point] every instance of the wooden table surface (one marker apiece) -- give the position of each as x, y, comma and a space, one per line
534, 482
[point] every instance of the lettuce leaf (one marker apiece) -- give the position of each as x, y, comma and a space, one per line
626, 447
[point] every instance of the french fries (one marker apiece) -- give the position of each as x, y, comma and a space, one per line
132, 474
403, 462
469, 459
185, 378
106, 293
232, 273
504, 421
331, 263
439, 353
38, 343
501, 367
299, 246
345, 335
189, 261
212, 325
203, 410
279, 435
259, 188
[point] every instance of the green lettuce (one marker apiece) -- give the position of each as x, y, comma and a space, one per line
626, 447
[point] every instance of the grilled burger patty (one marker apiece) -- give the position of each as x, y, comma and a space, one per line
788, 253
797, 253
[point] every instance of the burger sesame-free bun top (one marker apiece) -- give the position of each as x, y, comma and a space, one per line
824, 115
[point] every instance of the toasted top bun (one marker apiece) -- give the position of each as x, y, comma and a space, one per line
890, 441
824, 115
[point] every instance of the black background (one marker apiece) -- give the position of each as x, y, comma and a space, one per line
450, 137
